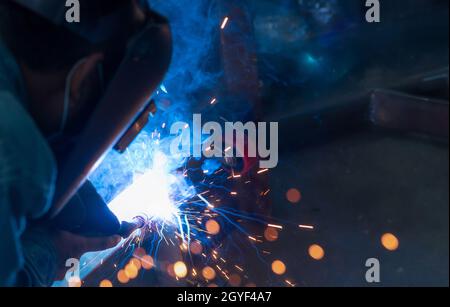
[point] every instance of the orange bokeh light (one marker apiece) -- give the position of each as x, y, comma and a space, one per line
180, 269
316, 252
271, 234
390, 242
147, 262
131, 271
278, 267
196, 248
212, 227
294, 196
235, 280
74, 282
122, 277
136, 262
209, 273
106, 284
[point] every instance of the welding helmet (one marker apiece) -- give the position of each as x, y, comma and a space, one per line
136, 72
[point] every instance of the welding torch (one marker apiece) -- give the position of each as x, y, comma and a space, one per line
127, 228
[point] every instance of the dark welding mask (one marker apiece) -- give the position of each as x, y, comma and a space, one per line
131, 75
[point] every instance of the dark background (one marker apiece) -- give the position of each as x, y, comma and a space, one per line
357, 182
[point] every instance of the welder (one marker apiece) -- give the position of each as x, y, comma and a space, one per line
54, 83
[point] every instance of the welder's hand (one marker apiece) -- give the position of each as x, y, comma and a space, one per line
69, 246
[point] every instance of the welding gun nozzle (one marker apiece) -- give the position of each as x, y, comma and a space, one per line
127, 228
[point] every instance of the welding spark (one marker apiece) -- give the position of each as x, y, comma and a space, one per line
164, 89
306, 227
275, 226
150, 194
224, 23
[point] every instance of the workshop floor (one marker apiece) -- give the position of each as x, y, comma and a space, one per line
354, 190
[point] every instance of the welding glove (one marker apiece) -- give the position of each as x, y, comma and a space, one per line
88, 215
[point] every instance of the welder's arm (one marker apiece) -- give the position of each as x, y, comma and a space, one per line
27, 175
41, 259
31, 256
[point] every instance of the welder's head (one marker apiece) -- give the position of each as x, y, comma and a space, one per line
66, 68
91, 81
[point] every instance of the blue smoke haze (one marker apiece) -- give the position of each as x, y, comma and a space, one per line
194, 27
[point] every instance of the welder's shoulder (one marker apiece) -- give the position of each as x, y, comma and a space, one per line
27, 165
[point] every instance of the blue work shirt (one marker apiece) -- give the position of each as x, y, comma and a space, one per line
27, 177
